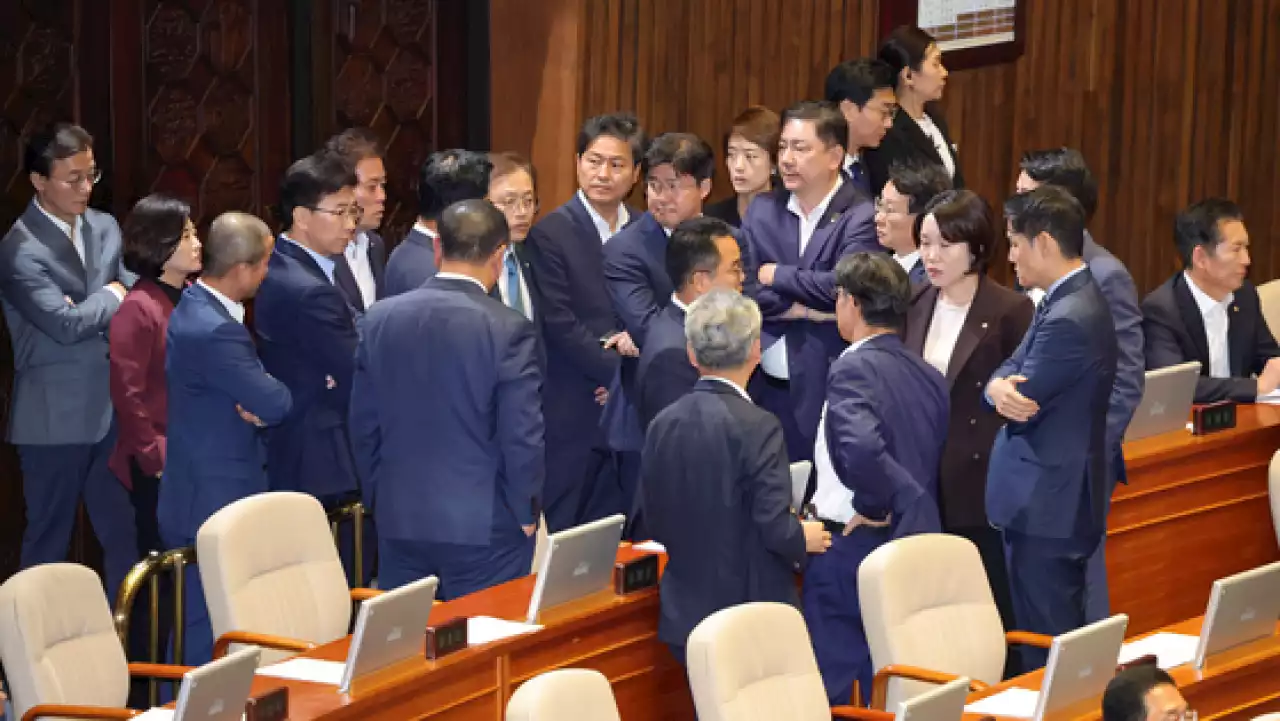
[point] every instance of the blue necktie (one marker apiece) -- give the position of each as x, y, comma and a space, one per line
859, 175
513, 283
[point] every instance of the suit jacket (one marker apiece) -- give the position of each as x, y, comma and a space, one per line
997, 320
137, 379
307, 338
885, 427
906, 142
635, 271
916, 274
1048, 477
60, 382
410, 264
446, 420
716, 491
216, 457
524, 256
665, 374
1174, 331
345, 278
726, 210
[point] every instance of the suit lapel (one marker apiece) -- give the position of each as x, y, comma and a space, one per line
919, 317
90, 237
845, 196
911, 131
1238, 336
59, 243
977, 323
1190, 313
526, 272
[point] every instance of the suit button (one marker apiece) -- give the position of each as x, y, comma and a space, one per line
978, 384
973, 421
977, 456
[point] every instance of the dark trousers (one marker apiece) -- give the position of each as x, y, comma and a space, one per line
774, 395
1097, 595
1047, 581
577, 472
614, 490
462, 570
991, 548
54, 479
346, 541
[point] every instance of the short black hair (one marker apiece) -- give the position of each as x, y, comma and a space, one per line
692, 248
858, 80
152, 232
905, 47
355, 144
1126, 696
963, 216
471, 230
920, 181
1198, 226
879, 285
623, 126
686, 153
450, 176
1048, 209
828, 122
1064, 167
309, 180
57, 141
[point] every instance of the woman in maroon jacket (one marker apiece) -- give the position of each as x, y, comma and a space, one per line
161, 246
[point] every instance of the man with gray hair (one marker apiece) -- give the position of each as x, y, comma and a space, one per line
715, 484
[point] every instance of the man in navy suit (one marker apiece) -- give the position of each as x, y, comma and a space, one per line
447, 177
446, 419
220, 397
878, 452
910, 188
716, 483
1066, 168
797, 237
583, 334
1048, 478
361, 269
863, 90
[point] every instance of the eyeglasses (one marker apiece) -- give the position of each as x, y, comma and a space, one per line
78, 179
516, 205
1184, 715
882, 206
887, 112
658, 187
352, 212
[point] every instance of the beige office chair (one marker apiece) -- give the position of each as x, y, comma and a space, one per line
800, 471
930, 616
1273, 490
272, 576
59, 646
567, 694
1269, 299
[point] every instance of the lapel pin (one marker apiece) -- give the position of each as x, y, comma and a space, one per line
984, 326
834, 218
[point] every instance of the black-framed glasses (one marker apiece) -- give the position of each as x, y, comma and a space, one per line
352, 212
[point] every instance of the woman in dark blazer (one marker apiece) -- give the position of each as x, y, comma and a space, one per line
919, 131
749, 151
966, 325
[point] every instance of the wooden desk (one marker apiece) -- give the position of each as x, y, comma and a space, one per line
1195, 510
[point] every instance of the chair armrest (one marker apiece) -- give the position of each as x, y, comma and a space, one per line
1026, 638
364, 594
265, 640
60, 710
159, 670
862, 714
880, 684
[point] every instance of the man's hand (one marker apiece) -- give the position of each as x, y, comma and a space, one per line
861, 520
816, 538
117, 286
602, 395
1269, 378
623, 344
766, 272
529, 530
249, 417
1009, 402
797, 311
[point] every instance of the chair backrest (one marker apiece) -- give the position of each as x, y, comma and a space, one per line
800, 472
567, 694
57, 641
269, 565
926, 602
755, 661
1273, 486
1269, 299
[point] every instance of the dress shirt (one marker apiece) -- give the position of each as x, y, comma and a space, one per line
504, 284
1216, 324
908, 261
675, 299
76, 236
939, 142
423, 228
944, 331
1048, 292
358, 258
235, 308
832, 499
458, 276
732, 385
602, 225
326, 263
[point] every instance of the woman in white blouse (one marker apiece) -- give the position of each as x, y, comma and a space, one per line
965, 325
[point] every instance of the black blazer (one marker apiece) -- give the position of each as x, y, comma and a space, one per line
524, 256
726, 210
996, 323
1174, 333
906, 142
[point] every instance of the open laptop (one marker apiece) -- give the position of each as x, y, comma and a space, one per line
579, 562
1081, 663
1242, 608
943, 703
800, 472
1166, 401
218, 691
391, 627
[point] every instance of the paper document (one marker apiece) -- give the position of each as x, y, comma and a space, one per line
650, 546
159, 714
487, 629
1170, 649
306, 669
1016, 702
1272, 398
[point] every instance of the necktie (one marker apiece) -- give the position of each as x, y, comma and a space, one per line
514, 301
859, 175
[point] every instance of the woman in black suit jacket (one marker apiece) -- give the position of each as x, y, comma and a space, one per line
749, 150
966, 325
919, 131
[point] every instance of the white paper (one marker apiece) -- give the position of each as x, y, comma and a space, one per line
651, 546
1016, 702
306, 669
1170, 649
487, 629
1272, 398
155, 714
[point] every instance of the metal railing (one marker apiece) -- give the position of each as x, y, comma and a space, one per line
354, 512
146, 574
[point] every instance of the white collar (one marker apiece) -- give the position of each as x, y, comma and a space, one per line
1203, 301
850, 159
359, 243
1054, 285
236, 309
59, 223
446, 275
859, 343
794, 204
602, 225
732, 385
909, 260
675, 300
421, 227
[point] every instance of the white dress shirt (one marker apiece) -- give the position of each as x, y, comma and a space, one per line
944, 331
1216, 325
832, 499
602, 226
675, 300
504, 287
76, 236
908, 261
236, 309
444, 275
358, 259
939, 143
732, 385
421, 227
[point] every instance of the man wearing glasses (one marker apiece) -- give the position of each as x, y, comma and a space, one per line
863, 90
912, 184
61, 280
1144, 693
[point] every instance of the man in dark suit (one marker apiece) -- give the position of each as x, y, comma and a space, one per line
446, 419
584, 336
863, 90
1048, 478
910, 188
361, 269
61, 281
1210, 313
513, 190
715, 483
447, 177
220, 397
796, 238
878, 452
1066, 168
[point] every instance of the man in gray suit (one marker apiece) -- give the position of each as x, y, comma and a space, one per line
61, 280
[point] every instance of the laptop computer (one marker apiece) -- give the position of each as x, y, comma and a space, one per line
218, 691
579, 562
1166, 401
800, 472
389, 628
1081, 663
943, 703
1242, 608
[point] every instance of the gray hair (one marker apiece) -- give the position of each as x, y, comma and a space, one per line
721, 327
234, 238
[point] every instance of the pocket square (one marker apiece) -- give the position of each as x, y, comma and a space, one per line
330, 383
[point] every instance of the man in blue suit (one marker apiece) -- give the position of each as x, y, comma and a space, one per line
1048, 479
583, 334
796, 238
877, 457
447, 177
361, 270
219, 398
863, 90
1065, 167
903, 198
446, 419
